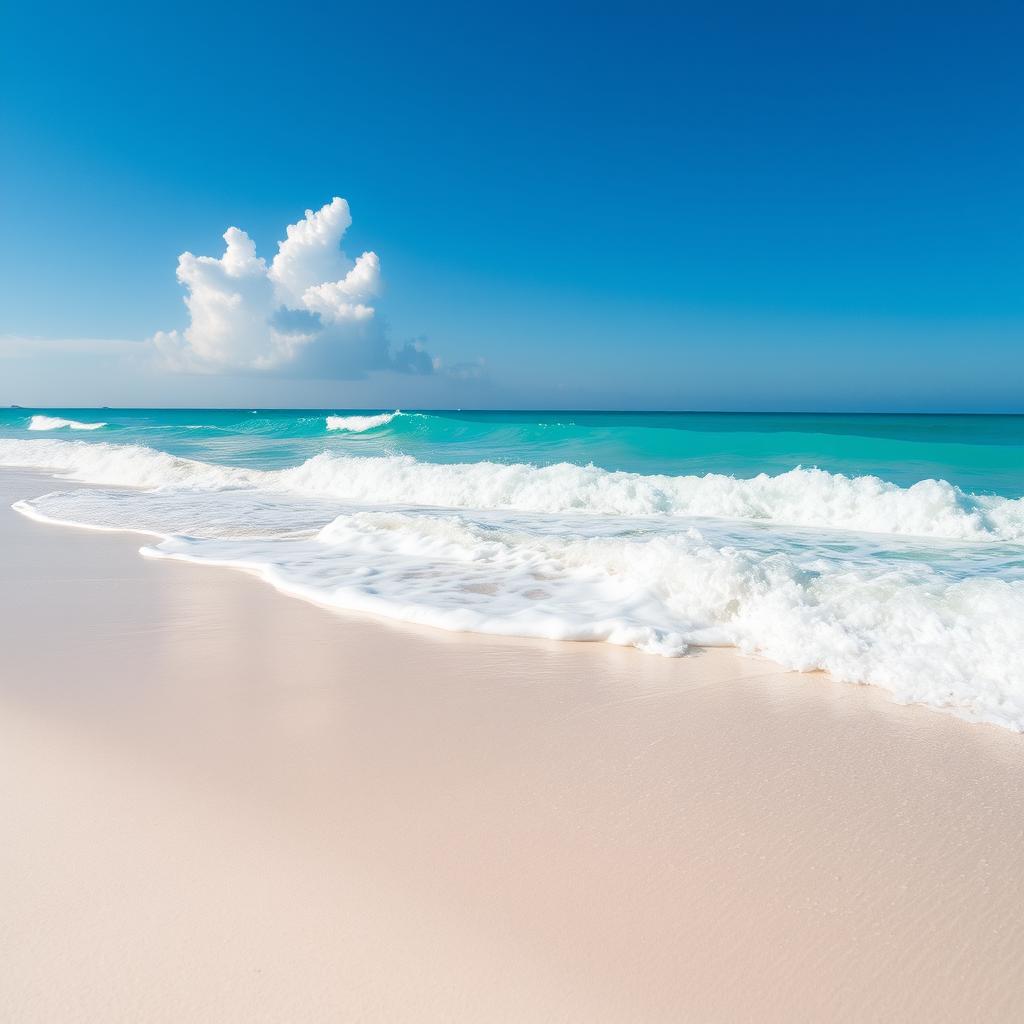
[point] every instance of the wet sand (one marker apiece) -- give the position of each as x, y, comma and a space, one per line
221, 804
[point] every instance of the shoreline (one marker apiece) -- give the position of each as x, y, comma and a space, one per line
225, 804
296, 591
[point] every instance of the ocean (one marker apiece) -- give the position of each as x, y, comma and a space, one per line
884, 549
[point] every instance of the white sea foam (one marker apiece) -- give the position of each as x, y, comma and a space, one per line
804, 497
56, 423
914, 623
123, 465
360, 424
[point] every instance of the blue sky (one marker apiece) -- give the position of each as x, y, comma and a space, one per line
794, 206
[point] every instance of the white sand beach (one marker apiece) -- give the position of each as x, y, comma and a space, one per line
222, 804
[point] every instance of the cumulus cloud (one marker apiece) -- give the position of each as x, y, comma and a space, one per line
310, 311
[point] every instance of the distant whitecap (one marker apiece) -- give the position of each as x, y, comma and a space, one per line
360, 424
57, 423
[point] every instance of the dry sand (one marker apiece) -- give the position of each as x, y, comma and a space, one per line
221, 804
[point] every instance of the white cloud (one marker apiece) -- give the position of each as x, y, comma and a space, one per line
343, 300
309, 311
311, 252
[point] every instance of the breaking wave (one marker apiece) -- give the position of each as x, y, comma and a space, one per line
57, 423
360, 424
803, 497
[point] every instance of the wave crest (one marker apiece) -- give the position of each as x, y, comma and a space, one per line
360, 424
57, 423
799, 497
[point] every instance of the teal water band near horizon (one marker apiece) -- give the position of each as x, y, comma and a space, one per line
979, 453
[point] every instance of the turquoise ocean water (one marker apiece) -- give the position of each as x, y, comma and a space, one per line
984, 453
884, 548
